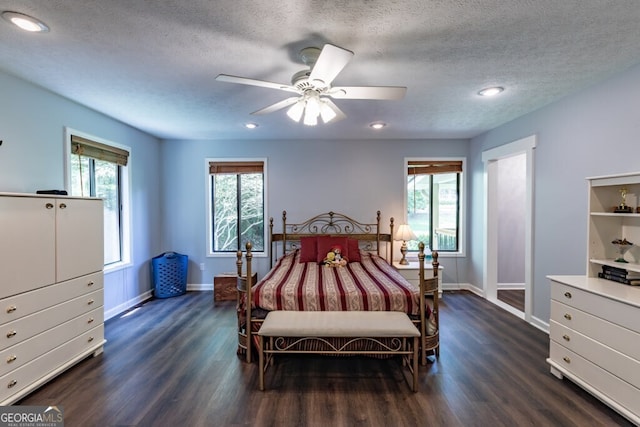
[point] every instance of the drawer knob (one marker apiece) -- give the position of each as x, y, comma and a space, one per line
566, 359
567, 294
566, 337
63, 206
11, 309
90, 302
49, 206
12, 383
11, 358
11, 334
90, 320
90, 283
90, 339
567, 316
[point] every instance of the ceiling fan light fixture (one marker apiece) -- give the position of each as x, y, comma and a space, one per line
326, 112
490, 91
312, 110
296, 110
310, 119
25, 22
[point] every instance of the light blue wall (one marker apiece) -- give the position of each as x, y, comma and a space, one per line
355, 177
595, 132
32, 122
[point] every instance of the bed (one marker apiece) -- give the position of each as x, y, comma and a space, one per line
302, 278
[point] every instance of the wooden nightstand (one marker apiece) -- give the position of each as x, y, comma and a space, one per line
411, 273
225, 286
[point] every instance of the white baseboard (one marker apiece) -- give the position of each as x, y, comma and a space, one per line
199, 286
462, 287
510, 286
127, 305
538, 323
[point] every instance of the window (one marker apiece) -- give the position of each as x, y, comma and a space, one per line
434, 194
98, 169
237, 205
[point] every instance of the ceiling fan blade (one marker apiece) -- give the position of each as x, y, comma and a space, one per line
368, 92
277, 106
331, 61
339, 114
252, 82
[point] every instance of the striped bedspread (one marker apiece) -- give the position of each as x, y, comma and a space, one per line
372, 284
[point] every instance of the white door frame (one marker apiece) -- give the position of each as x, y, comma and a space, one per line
490, 237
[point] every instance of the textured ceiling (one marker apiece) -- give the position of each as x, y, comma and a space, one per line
152, 64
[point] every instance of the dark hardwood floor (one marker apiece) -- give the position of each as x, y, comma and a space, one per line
173, 363
513, 297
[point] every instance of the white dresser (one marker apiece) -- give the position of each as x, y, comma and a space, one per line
51, 293
595, 322
595, 339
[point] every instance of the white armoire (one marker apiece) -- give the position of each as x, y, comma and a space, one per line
51, 291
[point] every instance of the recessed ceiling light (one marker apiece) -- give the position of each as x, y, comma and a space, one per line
26, 22
490, 91
251, 125
377, 125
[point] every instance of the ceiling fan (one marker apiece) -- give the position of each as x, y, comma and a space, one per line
313, 87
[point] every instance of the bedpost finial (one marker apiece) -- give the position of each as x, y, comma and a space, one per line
421, 251
239, 262
435, 263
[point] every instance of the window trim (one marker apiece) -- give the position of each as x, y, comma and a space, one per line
462, 231
209, 217
125, 192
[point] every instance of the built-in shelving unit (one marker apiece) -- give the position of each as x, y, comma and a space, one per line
605, 225
594, 330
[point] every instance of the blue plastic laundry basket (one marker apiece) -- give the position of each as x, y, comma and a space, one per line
169, 274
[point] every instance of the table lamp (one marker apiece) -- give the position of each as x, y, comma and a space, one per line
404, 233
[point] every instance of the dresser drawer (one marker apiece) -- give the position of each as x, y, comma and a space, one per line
21, 305
27, 350
610, 334
622, 366
29, 376
614, 311
26, 327
607, 385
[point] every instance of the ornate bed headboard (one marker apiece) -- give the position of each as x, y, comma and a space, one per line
333, 224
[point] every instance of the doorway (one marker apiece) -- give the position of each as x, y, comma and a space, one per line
509, 226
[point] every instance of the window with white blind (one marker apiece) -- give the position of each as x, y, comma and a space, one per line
98, 168
434, 208
236, 205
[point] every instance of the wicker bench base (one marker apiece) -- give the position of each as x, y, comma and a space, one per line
391, 333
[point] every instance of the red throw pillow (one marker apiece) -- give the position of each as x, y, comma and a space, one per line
308, 249
326, 243
353, 248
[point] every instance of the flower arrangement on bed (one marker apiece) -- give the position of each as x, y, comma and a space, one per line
334, 263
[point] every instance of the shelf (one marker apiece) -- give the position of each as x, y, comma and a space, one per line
617, 215
629, 266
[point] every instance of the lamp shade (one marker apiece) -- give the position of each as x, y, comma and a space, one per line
295, 112
405, 233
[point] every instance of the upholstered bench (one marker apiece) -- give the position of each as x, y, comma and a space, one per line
392, 333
